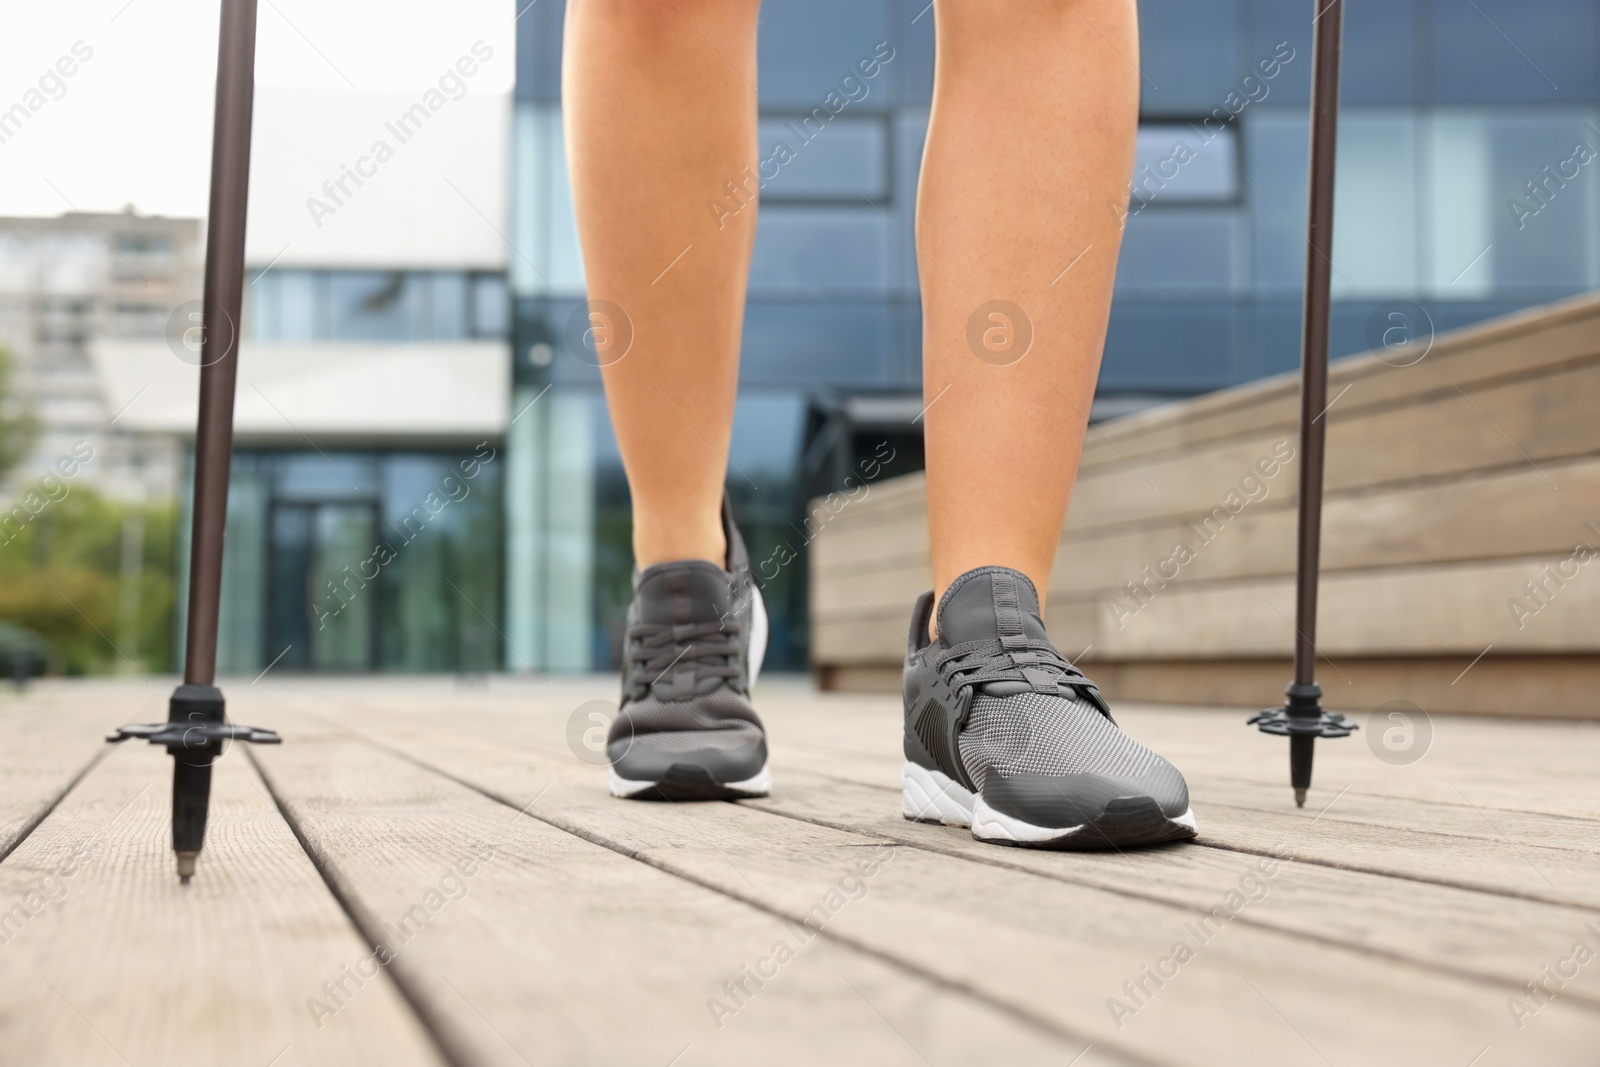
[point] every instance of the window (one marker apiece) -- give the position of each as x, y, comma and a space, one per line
335, 305
1185, 162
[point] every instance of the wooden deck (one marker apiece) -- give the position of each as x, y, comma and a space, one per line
527, 918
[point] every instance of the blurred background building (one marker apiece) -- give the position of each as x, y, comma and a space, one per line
65, 284
414, 310
1461, 195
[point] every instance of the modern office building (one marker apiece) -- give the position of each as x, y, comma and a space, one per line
364, 525
66, 284
1466, 188
409, 308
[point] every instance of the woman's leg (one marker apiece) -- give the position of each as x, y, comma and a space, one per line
1035, 107
1035, 110
660, 111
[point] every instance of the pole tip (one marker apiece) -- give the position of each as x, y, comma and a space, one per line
186, 866
1299, 801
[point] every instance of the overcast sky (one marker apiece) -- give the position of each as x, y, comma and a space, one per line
132, 124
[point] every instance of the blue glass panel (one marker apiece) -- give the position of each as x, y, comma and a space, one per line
539, 49
324, 476
1275, 342
806, 51
1380, 61
1543, 208
1349, 324
288, 306
911, 34
372, 306
1175, 162
491, 306
1376, 233
765, 444
1189, 53
1276, 145
1503, 51
447, 302
843, 159
809, 343
910, 134
1455, 314
821, 251
1172, 347
261, 308
1282, 27
1180, 251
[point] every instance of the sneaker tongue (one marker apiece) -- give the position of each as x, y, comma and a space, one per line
987, 603
684, 591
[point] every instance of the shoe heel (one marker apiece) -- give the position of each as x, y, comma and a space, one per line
930, 796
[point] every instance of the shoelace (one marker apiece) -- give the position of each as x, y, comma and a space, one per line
660, 647
1017, 659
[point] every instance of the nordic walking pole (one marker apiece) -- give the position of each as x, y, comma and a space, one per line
1302, 718
196, 730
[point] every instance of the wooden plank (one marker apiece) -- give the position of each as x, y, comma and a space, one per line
1539, 340
118, 963
854, 544
1452, 930
1469, 843
1434, 610
1510, 687
1457, 608
557, 950
1540, 767
1504, 513
878, 588
1482, 452
1536, 419
870, 637
1056, 950
43, 752
1454, 432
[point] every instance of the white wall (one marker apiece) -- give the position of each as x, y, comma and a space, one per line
324, 392
438, 200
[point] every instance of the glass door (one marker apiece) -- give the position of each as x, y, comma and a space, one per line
322, 611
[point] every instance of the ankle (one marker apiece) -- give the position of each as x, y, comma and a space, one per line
668, 542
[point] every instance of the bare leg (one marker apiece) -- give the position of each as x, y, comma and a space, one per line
1035, 107
660, 110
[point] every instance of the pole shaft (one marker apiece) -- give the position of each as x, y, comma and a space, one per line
1326, 40
219, 352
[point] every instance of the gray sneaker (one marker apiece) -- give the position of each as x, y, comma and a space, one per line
1006, 736
695, 637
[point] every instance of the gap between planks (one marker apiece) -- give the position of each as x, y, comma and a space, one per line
1021, 1014
538, 760
366, 927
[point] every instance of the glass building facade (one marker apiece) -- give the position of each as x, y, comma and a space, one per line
354, 561
1466, 189
372, 555
291, 305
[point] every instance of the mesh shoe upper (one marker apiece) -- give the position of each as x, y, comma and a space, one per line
1032, 733
1013, 709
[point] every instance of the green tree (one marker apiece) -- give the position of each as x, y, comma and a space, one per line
18, 426
94, 578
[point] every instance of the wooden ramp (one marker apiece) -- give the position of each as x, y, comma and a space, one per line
427, 872
1462, 507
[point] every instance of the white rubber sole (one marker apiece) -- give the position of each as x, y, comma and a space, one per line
758, 786
931, 796
758, 634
